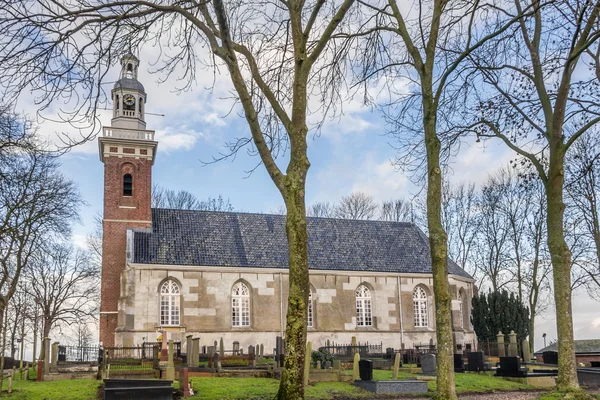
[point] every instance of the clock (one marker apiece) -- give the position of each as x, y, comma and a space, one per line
129, 99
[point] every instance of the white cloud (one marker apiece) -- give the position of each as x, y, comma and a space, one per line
170, 141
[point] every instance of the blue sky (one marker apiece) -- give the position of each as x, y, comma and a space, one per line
352, 153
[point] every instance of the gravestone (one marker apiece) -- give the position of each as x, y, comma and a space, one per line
184, 382
396, 365
307, 360
170, 366
217, 362
355, 374
459, 363
365, 368
318, 364
54, 358
252, 355
210, 352
327, 364
501, 348
262, 352
221, 348
204, 349
511, 367
195, 352
337, 365
526, 352
476, 361
513, 350
428, 364
280, 349
188, 351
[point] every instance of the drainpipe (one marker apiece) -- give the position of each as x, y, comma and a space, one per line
400, 304
281, 302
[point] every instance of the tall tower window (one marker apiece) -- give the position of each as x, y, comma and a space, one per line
310, 309
240, 305
127, 185
169, 303
420, 307
363, 306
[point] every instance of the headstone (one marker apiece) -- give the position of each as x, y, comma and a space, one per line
196, 352
459, 363
500, 340
526, 350
54, 358
511, 367
210, 352
257, 349
428, 364
217, 362
318, 364
216, 345
307, 360
221, 348
170, 366
280, 350
204, 349
396, 366
513, 350
355, 372
236, 348
252, 355
327, 364
262, 352
164, 349
184, 382
365, 368
328, 344
337, 365
40, 372
476, 361
188, 351
354, 345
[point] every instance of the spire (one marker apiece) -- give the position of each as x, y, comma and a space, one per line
129, 96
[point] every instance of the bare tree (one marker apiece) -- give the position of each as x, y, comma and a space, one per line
321, 210
184, 200
356, 205
36, 202
582, 190
398, 210
532, 100
65, 284
425, 44
277, 54
461, 216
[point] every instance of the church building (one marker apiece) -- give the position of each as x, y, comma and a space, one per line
225, 274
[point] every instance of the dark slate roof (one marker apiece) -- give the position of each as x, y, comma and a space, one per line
209, 238
129, 83
581, 347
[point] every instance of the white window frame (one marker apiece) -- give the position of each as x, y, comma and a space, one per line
310, 313
364, 316
420, 307
240, 305
460, 310
170, 310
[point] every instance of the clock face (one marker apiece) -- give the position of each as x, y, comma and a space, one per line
129, 99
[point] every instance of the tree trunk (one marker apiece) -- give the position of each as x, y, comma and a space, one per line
45, 334
292, 379
438, 241
3, 325
561, 265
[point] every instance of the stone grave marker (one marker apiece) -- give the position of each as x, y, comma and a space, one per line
396, 366
428, 364
170, 365
307, 360
318, 364
251, 353
337, 365
513, 351
327, 364
355, 371
221, 348
184, 382
526, 352
262, 352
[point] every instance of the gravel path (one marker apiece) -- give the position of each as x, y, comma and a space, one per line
502, 396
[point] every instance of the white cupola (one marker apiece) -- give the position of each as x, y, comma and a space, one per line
129, 96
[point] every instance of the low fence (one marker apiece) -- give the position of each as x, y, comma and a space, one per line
348, 350
143, 357
86, 354
492, 348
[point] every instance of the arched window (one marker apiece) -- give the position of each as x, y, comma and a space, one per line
420, 306
310, 309
363, 306
240, 305
127, 185
460, 310
169, 303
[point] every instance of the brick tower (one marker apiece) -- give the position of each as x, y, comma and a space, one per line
127, 150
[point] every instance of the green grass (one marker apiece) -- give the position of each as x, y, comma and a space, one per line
53, 390
560, 395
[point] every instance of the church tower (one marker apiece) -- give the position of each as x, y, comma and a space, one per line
128, 151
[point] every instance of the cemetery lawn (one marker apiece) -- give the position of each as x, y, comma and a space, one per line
53, 390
